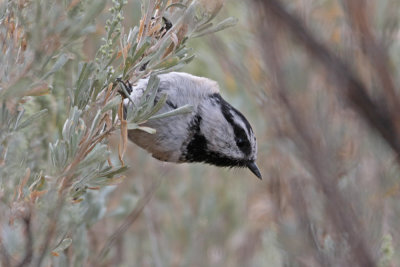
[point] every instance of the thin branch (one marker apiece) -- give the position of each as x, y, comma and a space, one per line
356, 10
29, 242
377, 116
130, 219
54, 217
155, 248
317, 155
5, 257
300, 208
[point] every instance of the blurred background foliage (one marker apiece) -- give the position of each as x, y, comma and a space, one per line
330, 189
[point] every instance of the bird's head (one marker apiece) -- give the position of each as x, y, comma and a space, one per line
220, 135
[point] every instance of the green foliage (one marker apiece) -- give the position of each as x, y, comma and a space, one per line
58, 109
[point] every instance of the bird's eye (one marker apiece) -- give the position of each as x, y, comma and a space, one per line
241, 142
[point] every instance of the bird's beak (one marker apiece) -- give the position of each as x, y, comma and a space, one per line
254, 169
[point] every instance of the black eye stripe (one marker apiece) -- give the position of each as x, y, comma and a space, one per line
196, 150
241, 138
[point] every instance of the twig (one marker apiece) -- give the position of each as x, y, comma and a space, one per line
377, 116
357, 13
323, 170
55, 214
29, 242
130, 219
155, 249
300, 208
5, 257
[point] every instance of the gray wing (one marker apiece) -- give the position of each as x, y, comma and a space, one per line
181, 89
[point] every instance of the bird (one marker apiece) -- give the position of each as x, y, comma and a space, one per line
214, 132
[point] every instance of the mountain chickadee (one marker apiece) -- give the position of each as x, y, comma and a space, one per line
214, 132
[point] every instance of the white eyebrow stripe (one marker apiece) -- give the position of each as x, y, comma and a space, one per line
238, 120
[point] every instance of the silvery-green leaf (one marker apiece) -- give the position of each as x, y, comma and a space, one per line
20, 114
158, 106
31, 119
112, 103
181, 110
204, 27
153, 89
63, 245
71, 123
229, 22
188, 59
95, 8
112, 172
182, 51
173, 68
95, 122
132, 126
61, 61
147, 99
141, 51
168, 63
59, 154
157, 57
147, 129
99, 154
23, 84
179, 5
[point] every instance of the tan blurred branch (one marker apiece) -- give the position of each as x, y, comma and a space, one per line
318, 154
130, 219
302, 212
357, 11
54, 216
379, 117
5, 257
29, 242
